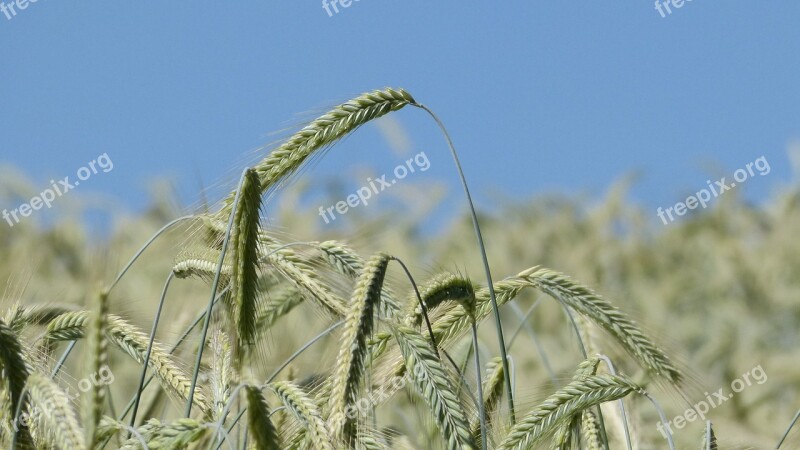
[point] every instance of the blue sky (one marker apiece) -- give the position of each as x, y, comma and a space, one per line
539, 96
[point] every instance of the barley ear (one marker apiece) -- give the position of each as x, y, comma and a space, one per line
176, 435
351, 363
442, 288
590, 430
304, 277
263, 432
280, 304
605, 315
568, 401
493, 386
567, 436
128, 338
53, 414
98, 360
430, 380
581, 299
306, 412
221, 373
12, 363
323, 132
244, 246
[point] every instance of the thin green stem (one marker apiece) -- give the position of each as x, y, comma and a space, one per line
421, 303
663, 419
529, 329
303, 349
63, 359
146, 362
613, 371
214, 286
486, 268
786, 433
479, 371
144, 247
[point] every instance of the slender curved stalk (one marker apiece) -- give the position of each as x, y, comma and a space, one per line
122, 273
277, 371
479, 371
63, 359
239, 417
149, 349
663, 419
421, 303
486, 268
524, 324
172, 350
303, 349
479, 401
16, 423
144, 247
214, 286
601, 425
613, 371
786, 433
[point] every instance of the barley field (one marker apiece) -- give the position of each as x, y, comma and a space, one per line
245, 325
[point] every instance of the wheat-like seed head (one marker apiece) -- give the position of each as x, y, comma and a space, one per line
132, 341
50, 408
590, 430
98, 359
442, 288
263, 432
431, 381
306, 412
583, 300
323, 132
568, 401
221, 372
203, 267
351, 364
177, 435
13, 365
244, 245
303, 276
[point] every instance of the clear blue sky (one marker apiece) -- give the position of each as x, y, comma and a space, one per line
539, 96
